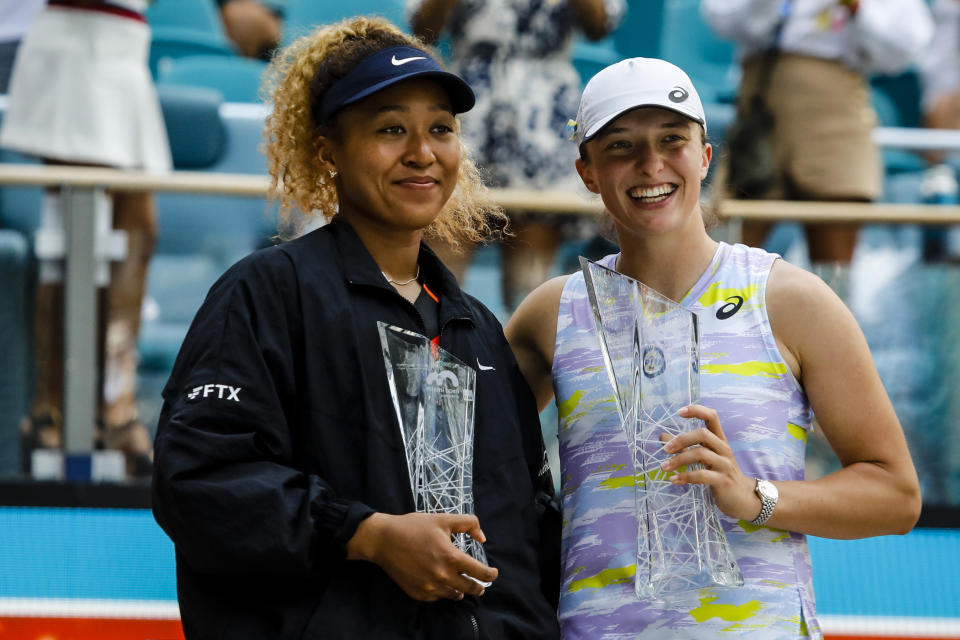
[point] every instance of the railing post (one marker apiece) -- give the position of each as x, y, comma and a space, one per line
80, 309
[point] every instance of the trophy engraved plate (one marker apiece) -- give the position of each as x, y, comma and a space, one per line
650, 347
433, 395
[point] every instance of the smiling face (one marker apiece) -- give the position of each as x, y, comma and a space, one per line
397, 157
647, 166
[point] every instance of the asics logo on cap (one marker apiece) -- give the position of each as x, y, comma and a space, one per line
678, 94
398, 62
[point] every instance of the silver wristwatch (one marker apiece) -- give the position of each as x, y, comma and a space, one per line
768, 494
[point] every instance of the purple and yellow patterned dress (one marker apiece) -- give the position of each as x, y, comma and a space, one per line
765, 416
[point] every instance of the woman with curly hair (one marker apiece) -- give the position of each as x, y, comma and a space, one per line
280, 470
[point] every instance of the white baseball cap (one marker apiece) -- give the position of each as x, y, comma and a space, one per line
633, 83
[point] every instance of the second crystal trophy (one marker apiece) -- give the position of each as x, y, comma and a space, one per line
433, 395
650, 348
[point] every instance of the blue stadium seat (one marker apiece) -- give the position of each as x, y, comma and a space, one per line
720, 116
202, 15
891, 114
277, 6
199, 235
688, 42
168, 43
15, 322
203, 139
20, 206
903, 92
194, 128
590, 57
303, 16
639, 33
236, 78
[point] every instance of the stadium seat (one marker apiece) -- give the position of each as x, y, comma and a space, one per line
236, 78
720, 116
885, 101
688, 42
15, 321
201, 15
167, 43
20, 206
303, 16
639, 33
590, 57
200, 236
277, 6
903, 91
194, 128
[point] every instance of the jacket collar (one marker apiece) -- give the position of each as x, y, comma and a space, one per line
359, 268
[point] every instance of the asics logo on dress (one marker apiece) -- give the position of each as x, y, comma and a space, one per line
402, 61
222, 392
733, 305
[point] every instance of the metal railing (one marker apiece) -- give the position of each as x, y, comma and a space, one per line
81, 186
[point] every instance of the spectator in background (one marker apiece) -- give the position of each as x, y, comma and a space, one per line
818, 95
81, 94
517, 57
940, 85
940, 71
15, 19
252, 26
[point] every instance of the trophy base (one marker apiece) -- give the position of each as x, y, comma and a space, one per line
483, 584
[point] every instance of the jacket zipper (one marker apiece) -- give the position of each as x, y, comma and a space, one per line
476, 627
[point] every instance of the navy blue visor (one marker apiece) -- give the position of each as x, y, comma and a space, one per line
386, 68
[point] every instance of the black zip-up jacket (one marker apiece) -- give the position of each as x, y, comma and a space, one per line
278, 437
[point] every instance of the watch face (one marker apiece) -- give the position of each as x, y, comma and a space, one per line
767, 489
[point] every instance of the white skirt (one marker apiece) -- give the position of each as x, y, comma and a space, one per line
81, 92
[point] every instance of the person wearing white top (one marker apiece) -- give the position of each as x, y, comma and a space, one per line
818, 94
81, 94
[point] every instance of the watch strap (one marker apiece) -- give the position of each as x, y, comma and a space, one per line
766, 506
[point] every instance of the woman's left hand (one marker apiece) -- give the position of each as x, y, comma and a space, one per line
732, 490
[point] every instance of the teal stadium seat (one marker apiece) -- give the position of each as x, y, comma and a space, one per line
182, 28
639, 33
277, 6
303, 16
236, 78
171, 42
201, 15
199, 236
15, 322
589, 57
896, 99
688, 42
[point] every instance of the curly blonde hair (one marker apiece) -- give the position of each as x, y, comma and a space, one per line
296, 79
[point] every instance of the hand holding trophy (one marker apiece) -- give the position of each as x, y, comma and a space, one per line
650, 347
433, 395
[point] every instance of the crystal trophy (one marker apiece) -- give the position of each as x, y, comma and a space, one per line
650, 347
433, 395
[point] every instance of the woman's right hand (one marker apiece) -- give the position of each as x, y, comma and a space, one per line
415, 550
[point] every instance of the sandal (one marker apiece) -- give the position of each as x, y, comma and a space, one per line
133, 440
39, 431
